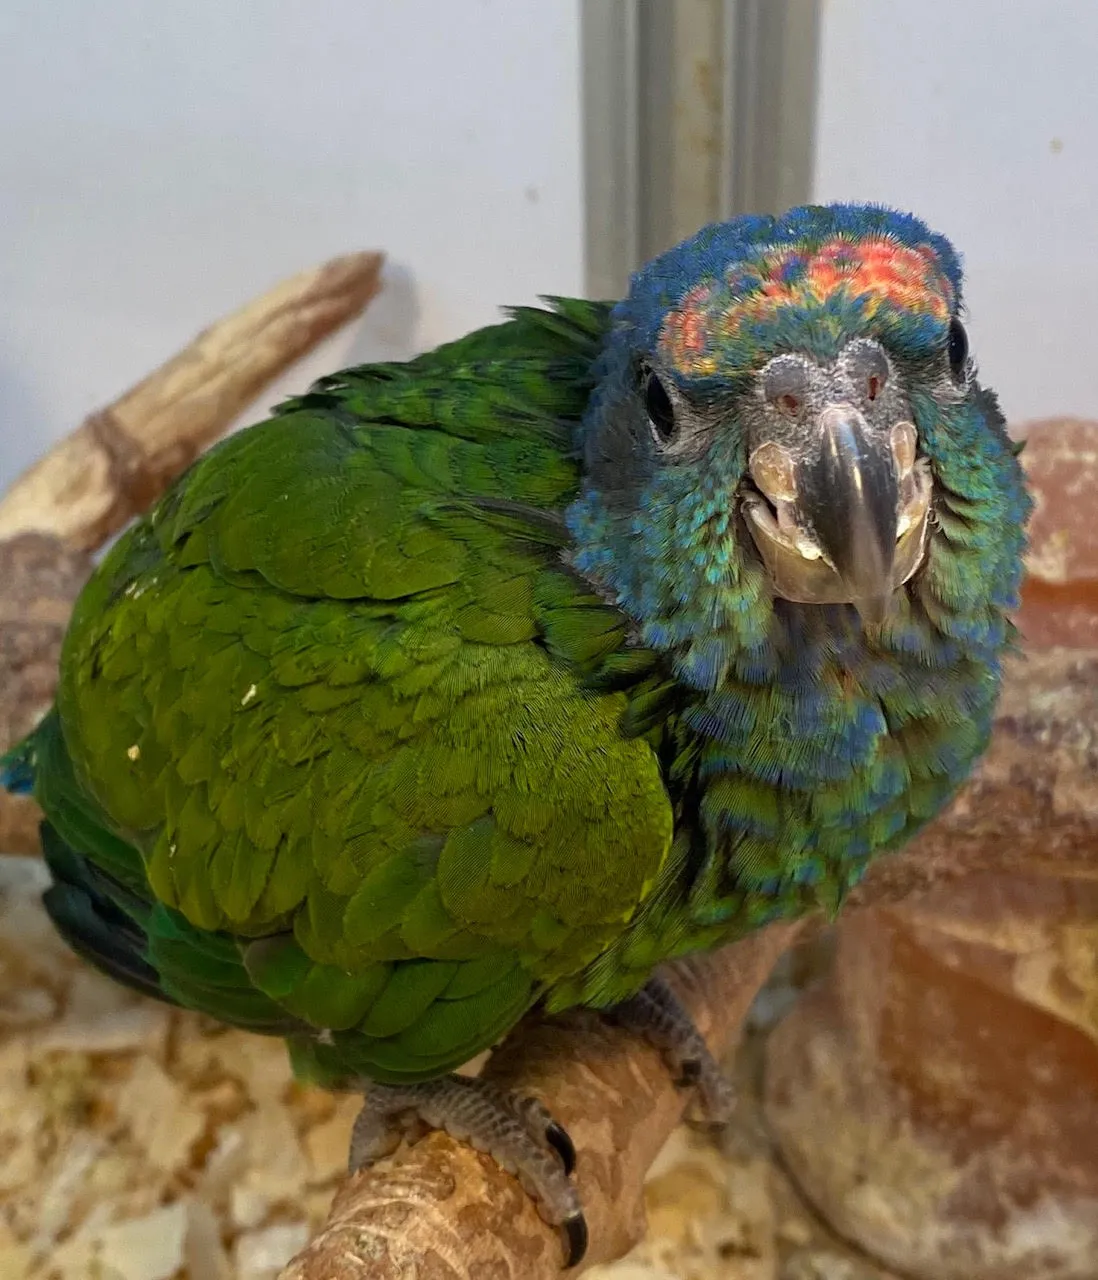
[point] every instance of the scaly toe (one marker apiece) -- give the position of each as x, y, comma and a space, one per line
375, 1135
656, 1014
716, 1098
518, 1133
540, 1125
690, 1073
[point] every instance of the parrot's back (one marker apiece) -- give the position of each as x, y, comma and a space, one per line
326, 761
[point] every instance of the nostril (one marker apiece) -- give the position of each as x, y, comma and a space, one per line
784, 383
867, 367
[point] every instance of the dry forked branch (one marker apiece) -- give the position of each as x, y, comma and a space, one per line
120, 460
441, 1210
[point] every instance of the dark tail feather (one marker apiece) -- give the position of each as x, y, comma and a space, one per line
102, 905
98, 917
150, 949
79, 920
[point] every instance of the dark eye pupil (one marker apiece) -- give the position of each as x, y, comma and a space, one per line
660, 410
958, 346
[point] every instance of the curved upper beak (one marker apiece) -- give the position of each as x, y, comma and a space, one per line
849, 495
845, 512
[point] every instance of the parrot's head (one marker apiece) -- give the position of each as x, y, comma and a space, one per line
778, 406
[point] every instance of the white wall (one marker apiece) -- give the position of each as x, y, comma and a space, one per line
982, 117
160, 163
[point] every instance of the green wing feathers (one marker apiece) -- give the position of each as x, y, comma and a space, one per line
327, 709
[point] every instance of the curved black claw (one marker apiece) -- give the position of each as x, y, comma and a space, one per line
557, 1137
575, 1231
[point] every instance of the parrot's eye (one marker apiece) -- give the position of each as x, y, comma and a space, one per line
957, 347
658, 406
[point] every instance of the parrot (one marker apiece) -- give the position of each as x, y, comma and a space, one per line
493, 680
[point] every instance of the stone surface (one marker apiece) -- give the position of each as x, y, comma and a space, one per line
1060, 596
936, 1096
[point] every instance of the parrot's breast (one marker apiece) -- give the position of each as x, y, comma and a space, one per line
843, 752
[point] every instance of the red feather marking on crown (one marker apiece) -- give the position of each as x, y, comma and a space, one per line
878, 271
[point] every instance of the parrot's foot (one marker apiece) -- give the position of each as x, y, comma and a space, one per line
658, 1015
517, 1132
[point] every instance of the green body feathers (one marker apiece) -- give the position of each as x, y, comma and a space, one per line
402, 711
331, 702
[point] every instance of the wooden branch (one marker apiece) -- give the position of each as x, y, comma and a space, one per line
442, 1209
119, 461
124, 456
39, 580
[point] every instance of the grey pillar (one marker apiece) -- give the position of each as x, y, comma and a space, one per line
694, 110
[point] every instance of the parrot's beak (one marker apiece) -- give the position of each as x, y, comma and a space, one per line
844, 519
848, 494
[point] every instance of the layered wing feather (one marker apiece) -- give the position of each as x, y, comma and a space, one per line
333, 692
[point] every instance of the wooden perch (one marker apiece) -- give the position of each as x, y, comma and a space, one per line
442, 1210
120, 460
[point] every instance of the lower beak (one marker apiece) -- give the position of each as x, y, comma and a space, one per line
848, 498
